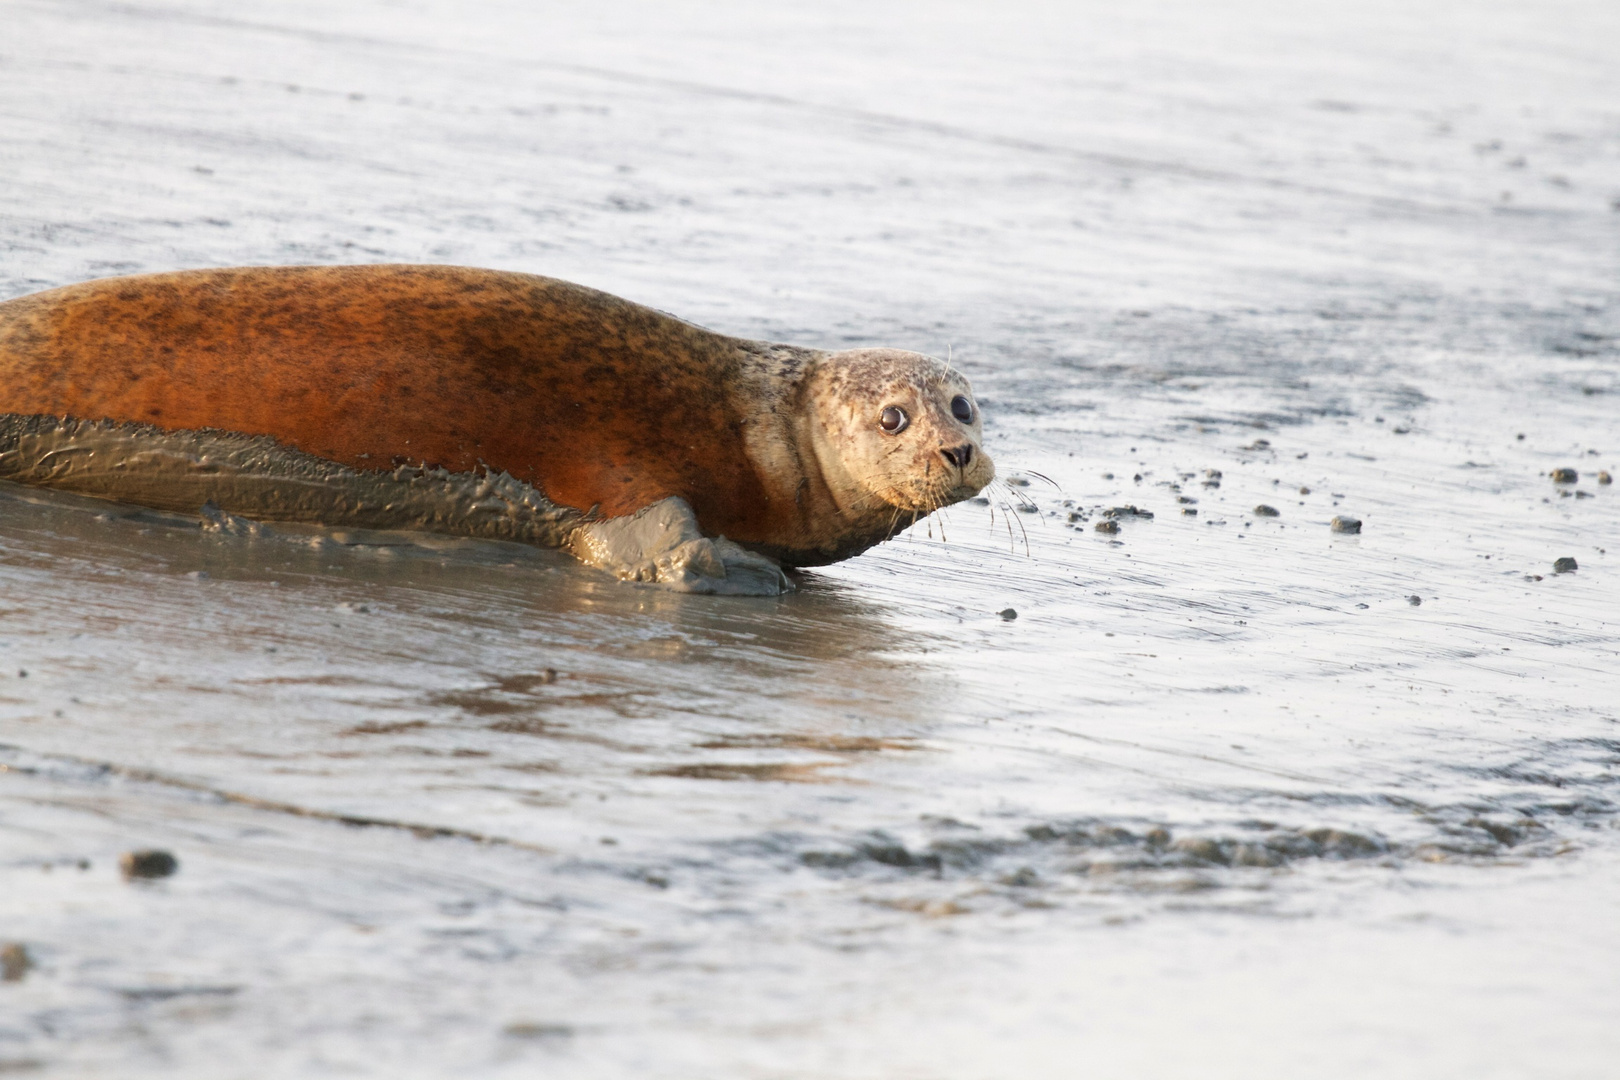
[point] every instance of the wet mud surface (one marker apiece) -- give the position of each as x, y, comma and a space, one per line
1229, 788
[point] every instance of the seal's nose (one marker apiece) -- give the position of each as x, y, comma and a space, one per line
958, 455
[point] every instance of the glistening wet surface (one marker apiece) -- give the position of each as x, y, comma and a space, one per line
1220, 793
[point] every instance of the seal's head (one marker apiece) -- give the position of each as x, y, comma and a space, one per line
898, 432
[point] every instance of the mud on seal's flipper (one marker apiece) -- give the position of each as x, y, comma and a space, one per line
662, 544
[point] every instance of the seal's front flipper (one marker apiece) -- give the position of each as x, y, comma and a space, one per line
662, 544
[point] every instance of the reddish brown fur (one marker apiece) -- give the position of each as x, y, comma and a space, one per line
596, 401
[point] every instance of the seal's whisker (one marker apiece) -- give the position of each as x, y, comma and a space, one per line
894, 520
1022, 499
1006, 521
1043, 476
1025, 535
1009, 517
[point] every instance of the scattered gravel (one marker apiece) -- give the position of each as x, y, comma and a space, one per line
153, 863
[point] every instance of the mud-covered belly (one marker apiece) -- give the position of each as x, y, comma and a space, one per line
257, 477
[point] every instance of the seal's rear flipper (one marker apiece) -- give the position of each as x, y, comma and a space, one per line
662, 544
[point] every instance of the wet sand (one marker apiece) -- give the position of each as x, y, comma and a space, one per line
1222, 793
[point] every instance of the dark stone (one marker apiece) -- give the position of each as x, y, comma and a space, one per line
1565, 565
1266, 511
153, 863
889, 854
1008, 613
14, 961
1109, 526
1341, 524
1565, 476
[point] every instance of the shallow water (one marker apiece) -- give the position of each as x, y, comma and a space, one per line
1220, 800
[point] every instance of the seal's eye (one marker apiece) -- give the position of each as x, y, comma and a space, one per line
893, 420
962, 409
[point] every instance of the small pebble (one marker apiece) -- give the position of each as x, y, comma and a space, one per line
1605, 478
1415, 601
1343, 524
1564, 476
1266, 511
1565, 565
1109, 526
1304, 491
1189, 511
1009, 614
14, 961
153, 863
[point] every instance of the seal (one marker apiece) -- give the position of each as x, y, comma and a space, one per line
481, 403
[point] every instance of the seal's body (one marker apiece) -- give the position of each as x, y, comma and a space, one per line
604, 406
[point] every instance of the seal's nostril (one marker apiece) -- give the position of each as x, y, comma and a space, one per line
958, 455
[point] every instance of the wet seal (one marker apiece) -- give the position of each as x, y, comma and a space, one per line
485, 404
